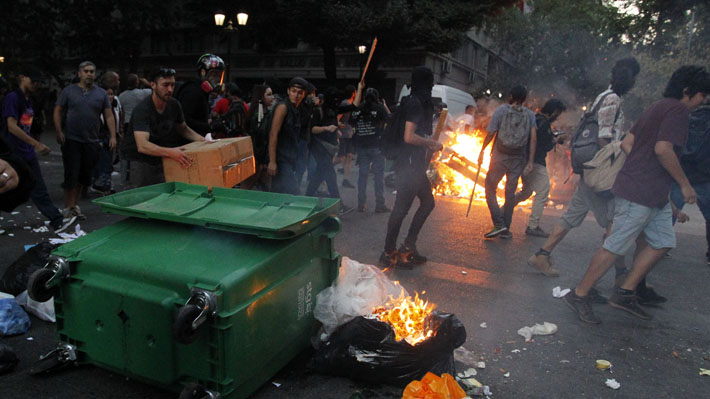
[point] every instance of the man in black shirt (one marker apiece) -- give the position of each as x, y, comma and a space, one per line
194, 93
410, 167
158, 130
538, 180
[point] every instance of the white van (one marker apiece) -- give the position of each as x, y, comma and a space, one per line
456, 100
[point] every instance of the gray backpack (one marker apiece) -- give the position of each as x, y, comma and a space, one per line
514, 130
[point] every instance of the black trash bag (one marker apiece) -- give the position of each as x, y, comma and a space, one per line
14, 281
8, 359
366, 350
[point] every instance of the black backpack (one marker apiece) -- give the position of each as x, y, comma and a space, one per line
234, 120
585, 142
393, 136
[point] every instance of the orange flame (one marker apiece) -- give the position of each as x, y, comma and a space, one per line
408, 317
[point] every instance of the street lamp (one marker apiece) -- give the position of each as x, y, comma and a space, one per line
219, 18
361, 49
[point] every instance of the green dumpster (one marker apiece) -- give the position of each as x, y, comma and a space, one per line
201, 291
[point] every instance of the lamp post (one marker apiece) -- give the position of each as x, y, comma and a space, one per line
219, 18
361, 49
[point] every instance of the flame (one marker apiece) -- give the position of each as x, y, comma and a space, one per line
408, 317
458, 165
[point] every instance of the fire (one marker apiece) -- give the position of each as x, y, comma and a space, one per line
458, 165
408, 317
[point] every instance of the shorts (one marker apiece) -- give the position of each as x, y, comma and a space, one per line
632, 219
79, 160
584, 200
346, 147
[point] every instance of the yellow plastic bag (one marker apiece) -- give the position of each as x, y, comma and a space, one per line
434, 387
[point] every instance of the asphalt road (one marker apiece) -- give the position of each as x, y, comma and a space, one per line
481, 281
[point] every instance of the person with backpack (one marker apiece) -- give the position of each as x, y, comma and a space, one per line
260, 118
409, 143
695, 162
367, 122
538, 180
229, 115
513, 127
602, 124
642, 211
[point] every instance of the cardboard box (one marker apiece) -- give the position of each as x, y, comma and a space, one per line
222, 163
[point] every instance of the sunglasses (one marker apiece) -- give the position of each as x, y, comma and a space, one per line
165, 72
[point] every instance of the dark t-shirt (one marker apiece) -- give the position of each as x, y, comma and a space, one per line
161, 126
545, 139
643, 179
19, 107
195, 105
84, 110
367, 125
422, 116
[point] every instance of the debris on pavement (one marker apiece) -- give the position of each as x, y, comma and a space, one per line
431, 385
470, 372
612, 383
471, 382
464, 272
481, 365
603, 364
41, 229
484, 325
68, 237
482, 391
465, 356
538, 329
515, 351
558, 292
704, 372
276, 384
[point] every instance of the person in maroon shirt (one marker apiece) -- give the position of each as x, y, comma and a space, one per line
642, 212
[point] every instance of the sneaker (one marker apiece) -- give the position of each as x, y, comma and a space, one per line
536, 232
393, 259
76, 211
65, 224
410, 255
346, 184
542, 263
382, 209
506, 234
344, 210
361, 208
649, 297
628, 303
596, 298
580, 306
495, 232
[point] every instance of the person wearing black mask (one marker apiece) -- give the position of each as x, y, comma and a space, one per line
410, 167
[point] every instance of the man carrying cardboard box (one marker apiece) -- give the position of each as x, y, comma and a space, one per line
159, 130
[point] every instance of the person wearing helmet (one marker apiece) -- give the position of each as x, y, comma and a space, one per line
194, 93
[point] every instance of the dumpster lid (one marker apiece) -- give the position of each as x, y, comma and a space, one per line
267, 215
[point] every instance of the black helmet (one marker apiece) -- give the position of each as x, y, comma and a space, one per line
209, 62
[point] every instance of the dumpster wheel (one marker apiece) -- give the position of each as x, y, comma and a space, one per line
197, 391
182, 326
37, 285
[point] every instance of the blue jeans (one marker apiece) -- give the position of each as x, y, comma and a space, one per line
703, 191
40, 196
285, 180
324, 171
374, 157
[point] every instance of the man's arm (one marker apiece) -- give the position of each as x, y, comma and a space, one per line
13, 128
279, 115
186, 132
58, 123
667, 157
111, 124
627, 143
410, 137
144, 146
486, 141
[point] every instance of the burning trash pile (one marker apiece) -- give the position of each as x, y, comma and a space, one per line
371, 335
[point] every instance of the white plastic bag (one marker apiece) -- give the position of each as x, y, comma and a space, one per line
43, 310
359, 289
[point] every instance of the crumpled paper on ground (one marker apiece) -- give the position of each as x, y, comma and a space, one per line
68, 237
558, 292
465, 356
538, 329
613, 384
434, 387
